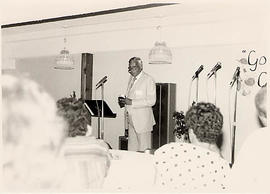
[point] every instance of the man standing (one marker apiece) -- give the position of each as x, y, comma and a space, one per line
140, 97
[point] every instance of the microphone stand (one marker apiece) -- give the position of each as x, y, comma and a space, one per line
197, 86
234, 122
101, 123
102, 111
98, 121
196, 76
215, 85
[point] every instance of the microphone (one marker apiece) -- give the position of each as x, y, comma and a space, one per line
235, 76
214, 70
102, 81
197, 72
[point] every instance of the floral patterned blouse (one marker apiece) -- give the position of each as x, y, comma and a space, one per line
186, 167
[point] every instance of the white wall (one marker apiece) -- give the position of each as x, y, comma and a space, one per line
58, 83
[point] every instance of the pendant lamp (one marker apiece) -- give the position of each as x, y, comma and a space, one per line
64, 61
160, 53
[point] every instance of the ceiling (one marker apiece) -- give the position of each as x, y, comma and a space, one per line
90, 18
14, 11
29, 16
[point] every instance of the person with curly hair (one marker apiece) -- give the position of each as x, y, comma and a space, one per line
205, 123
86, 155
75, 114
196, 166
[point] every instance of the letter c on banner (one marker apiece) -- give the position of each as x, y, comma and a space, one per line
260, 80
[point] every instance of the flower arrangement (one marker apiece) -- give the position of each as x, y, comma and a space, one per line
76, 115
180, 130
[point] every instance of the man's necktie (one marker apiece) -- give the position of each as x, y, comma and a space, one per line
131, 84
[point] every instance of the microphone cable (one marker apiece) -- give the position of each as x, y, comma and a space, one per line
215, 91
95, 94
207, 95
189, 94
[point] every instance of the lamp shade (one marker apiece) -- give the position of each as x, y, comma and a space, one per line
64, 61
160, 54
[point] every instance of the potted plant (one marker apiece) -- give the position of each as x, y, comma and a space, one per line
180, 129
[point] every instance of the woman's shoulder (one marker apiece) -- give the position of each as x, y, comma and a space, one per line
181, 147
84, 144
188, 152
193, 167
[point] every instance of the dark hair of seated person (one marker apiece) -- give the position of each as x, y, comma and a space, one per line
206, 121
76, 115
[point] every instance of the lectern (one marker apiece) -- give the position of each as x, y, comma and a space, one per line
95, 109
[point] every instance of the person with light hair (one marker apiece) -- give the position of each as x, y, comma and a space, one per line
35, 149
261, 106
32, 136
250, 172
139, 99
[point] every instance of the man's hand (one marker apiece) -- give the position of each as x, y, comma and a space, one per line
128, 101
124, 101
121, 101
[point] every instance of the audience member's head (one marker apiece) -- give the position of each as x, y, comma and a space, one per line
205, 121
261, 105
32, 135
196, 166
87, 156
76, 115
250, 172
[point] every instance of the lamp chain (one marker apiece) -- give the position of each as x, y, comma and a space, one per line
65, 43
65, 36
159, 30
